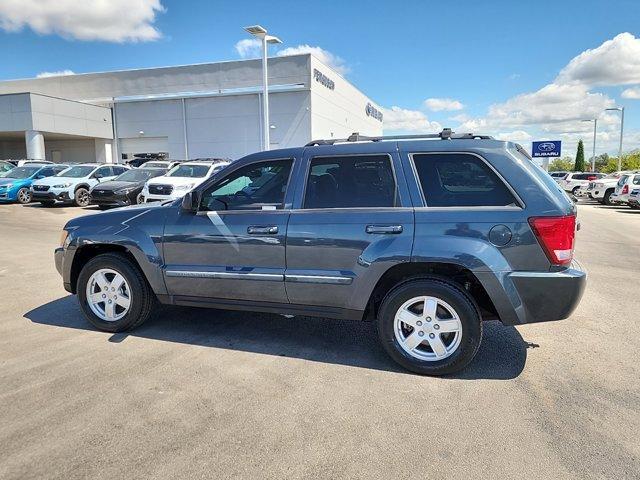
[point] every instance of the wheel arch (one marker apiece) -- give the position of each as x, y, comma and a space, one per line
457, 274
84, 253
81, 185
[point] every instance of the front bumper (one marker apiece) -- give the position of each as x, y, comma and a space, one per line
162, 198
59, 195
63, 260
532, 297
111, 201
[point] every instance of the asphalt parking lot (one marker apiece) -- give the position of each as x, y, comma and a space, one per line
213, 394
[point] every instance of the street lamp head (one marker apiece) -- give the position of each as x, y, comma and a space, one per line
257, 30
272, 39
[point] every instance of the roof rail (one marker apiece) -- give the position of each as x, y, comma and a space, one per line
445, 134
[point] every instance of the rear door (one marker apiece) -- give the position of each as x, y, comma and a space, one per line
351, 222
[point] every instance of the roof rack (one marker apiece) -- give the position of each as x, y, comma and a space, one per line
445, 134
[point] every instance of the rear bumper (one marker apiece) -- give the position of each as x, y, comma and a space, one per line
532, 297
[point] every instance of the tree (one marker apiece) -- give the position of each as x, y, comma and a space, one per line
579, 165
564, 164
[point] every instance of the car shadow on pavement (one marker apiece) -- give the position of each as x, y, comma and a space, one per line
502, 355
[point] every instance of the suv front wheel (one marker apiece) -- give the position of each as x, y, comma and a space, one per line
113, 293
430, 326
82, 197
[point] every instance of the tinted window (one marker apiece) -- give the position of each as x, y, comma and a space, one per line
118, 170
104, 171
636, 180
350, 182
460, 180
46, 172
258, 186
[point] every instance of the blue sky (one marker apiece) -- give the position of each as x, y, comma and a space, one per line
492, 67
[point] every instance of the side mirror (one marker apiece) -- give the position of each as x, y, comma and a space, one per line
190, 201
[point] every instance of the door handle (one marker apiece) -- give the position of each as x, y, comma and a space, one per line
384, 229
261, 230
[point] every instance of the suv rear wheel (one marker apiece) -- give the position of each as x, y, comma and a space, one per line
113, 293
430, 326
607, 197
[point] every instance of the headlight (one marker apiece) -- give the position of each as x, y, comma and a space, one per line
185, 187
7, 186
124, 191
62, 185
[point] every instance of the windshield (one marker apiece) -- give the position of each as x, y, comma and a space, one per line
189, 171
22, 172
76, 172
155, 165
138, 175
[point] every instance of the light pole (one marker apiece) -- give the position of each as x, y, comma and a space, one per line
595, 127
621, 110
261, 33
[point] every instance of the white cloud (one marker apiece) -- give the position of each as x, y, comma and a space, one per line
518, 136
440, 104
105, 20
615, 62
632, 93
249, 48
401, 120
326, 57
58, 73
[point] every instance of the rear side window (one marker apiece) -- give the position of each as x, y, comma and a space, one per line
460, 180
636, 180
350, 182
623, 180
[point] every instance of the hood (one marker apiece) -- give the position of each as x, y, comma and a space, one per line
116, 218
176, 181
113, 186
14, 181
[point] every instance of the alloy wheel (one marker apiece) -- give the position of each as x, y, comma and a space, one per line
108, 295
428, 328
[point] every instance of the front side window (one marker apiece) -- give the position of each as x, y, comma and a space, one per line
351, 182
460, 180
258, 186
103, 172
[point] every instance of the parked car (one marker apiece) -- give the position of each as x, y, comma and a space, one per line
16, 185
634, 198
602, 189
74, 184
124, 189
574, 180
626, 183
22, 163
180, 179
5, 167
426, 237
558, 176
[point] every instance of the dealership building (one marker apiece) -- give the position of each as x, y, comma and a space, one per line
183, 112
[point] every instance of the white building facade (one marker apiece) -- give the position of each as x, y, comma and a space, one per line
184, 112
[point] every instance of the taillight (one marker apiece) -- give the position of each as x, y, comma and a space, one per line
556, 236
625, 189
593, 177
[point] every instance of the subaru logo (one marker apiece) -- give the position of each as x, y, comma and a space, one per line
547, 147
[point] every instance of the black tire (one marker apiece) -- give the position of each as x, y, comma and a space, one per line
82, 198
575, 191
634, 207
23, 196
142, 297
607, 197
465, 307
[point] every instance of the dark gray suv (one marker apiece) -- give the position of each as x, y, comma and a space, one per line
427, 237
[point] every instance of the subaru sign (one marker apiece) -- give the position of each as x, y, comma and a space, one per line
550, 148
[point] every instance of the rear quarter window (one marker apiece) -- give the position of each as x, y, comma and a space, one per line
460, 180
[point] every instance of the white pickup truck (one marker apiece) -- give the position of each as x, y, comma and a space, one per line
602, 188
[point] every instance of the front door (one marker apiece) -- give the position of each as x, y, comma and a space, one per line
352, 222
234, 247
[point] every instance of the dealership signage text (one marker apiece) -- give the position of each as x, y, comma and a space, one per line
323, 79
